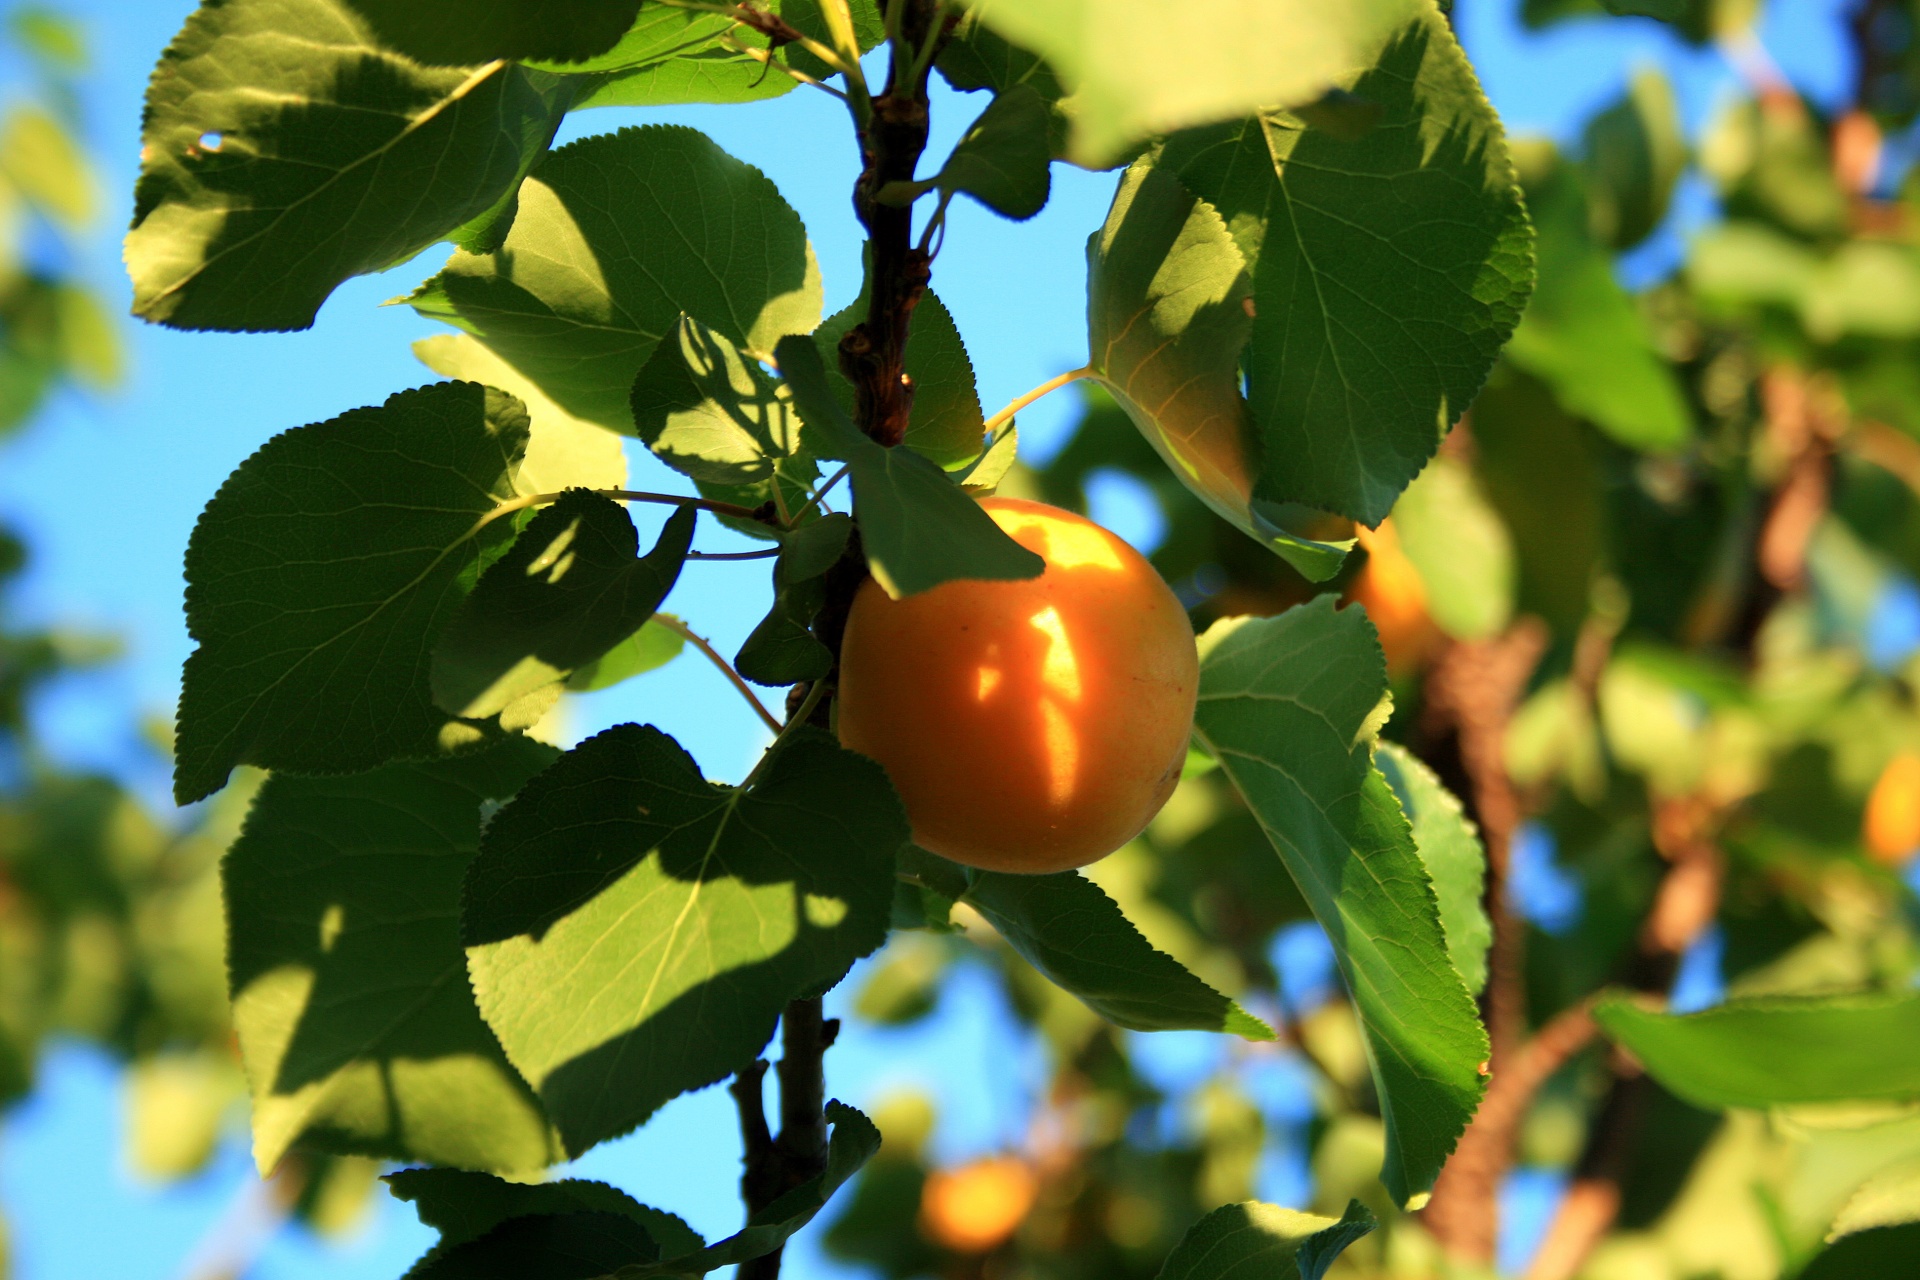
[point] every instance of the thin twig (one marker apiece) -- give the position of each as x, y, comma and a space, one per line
767, 554
819, 495
681, 629
1046, 388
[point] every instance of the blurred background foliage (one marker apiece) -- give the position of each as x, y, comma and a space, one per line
1653, 613
111, 929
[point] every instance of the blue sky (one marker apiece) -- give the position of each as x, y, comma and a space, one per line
107, 491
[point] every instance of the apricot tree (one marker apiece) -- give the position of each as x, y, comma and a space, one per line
455, 946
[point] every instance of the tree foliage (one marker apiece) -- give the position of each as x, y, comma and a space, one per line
1501, 569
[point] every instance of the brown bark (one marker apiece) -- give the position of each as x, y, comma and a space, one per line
777, 1163
1474, 688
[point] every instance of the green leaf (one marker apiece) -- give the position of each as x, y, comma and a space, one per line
571, 588
1585, 337
463, 1206
563, 452
650, 647
853, 1142
918, 529
1886, 1253
1144, 67
1167, 316
1889, 1198
1255, 1239
616, 237
1003, 160
1777, 1051
1287, 707
267, 180
573, 1230
1388, 270
947, 425
350, 996
782, 650
677, 55
1449, 846
1461, 549
813, 548
44, 164
457, 31
976, 57
709, 412
1636, 152
634, 931
314, 654
1066, 926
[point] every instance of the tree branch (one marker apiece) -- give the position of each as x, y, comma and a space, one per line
776, 1165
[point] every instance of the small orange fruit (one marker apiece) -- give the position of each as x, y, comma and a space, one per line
978, 1206
1028, 726
1891, 825
1394, 595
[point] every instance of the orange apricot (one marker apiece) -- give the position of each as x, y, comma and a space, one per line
1891, 825
978, 1206
1028, 726
1394, 595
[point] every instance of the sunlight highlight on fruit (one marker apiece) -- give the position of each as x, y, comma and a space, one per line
1028, 726
1890, 827
977, 1207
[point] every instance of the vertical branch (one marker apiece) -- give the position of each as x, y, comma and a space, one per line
776, 1164
873, 352
1683, 907
1474, 689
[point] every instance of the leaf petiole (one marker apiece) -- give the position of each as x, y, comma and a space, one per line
820, 494
815, 692
685, 632
1046, 388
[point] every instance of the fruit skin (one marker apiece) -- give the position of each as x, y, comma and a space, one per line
1029, 726
975, 1208
1890, 827
1394, 595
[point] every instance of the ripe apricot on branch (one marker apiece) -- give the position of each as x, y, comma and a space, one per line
1394, 595
1028, 726
1891, 825
976, 1207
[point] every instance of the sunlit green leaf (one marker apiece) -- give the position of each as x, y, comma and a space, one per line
571, 587
978, 57
1142, 67
709, 412
1777, 1050
313, 654
617, 235
1066, 926
563, 452
40, 158
351, 1001
917, 527
267, 180
634, 931
1285, 707
1239, 1240
1388, 270
1449, 846
650, 647
1462, 551
1167, 315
